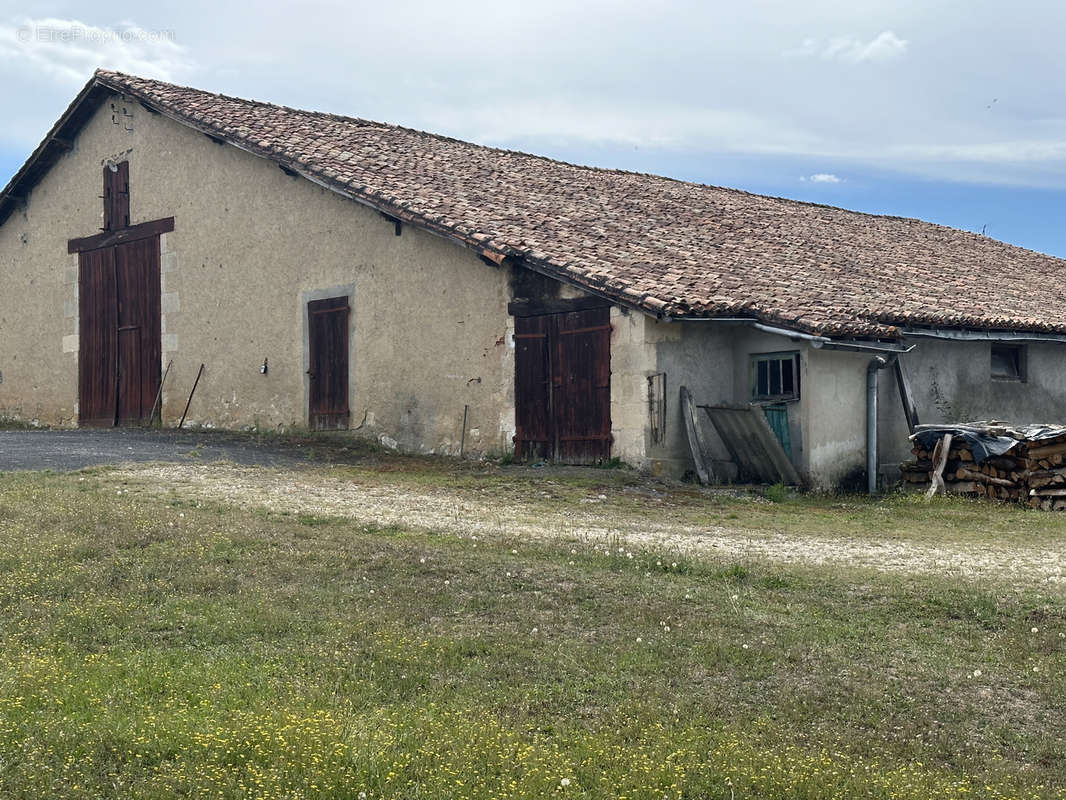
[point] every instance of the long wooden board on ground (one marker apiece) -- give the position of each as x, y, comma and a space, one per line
696, 444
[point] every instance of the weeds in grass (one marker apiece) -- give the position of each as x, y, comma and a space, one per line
776, 493
12, 423
153, 647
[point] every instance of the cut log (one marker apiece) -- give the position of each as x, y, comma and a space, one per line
1041, 451
1048, 492
964, 474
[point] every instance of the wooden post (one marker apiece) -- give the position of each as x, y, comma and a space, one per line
940, 460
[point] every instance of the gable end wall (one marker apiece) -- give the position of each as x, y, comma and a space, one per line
429, 332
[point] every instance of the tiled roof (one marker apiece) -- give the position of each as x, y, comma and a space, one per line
670, 247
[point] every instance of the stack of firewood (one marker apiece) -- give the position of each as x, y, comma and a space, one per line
1033, 470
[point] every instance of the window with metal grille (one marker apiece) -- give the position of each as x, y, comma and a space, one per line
775, 376
1008, 362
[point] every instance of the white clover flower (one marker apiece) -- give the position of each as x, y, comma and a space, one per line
1035, 630
421, 561
673, 565
976, 673
514, 552
639, 640
447, 583
534, 631
629, 555
564, 782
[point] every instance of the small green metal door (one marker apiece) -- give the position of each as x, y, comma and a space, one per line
777, 417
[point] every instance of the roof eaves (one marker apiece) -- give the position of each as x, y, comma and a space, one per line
59, 140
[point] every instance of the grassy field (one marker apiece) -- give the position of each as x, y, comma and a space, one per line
171, 646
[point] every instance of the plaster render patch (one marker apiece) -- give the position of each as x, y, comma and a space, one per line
70, 343
170, 302
170, 342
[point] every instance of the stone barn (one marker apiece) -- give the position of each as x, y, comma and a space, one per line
306, 270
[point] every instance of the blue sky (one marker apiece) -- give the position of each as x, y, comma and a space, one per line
948, 111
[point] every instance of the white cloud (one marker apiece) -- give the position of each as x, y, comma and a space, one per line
858, 102
67, 51
883, 47
822, 177
666, 126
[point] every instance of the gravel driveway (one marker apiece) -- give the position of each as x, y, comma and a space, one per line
466, 513
77, 449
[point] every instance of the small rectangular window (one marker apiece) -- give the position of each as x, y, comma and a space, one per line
1008, 362
775, 376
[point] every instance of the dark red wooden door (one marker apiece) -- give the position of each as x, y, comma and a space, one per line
563, 386
139, 334
119, 333
582, 396
327, 324
534, 433
97, 337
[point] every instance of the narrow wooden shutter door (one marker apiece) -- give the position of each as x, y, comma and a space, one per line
582, 382
97, 337
328, 368
534, 437
117, 196
139, 334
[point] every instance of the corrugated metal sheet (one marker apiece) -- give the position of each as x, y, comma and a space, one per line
752, 444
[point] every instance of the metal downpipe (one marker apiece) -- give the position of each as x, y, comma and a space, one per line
877, 363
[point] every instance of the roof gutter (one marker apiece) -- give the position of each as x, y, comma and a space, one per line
817, 342
955, 335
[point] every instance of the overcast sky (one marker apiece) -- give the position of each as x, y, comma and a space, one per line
949, 111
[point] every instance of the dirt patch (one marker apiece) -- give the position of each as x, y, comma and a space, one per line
468, 512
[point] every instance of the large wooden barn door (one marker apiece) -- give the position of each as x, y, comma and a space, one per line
119, 333
563, 386
119, 315
327, 326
